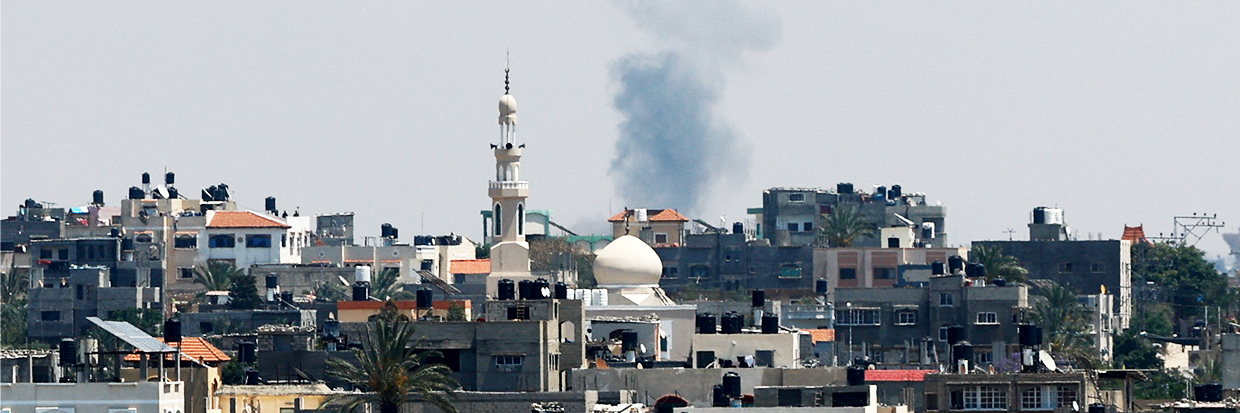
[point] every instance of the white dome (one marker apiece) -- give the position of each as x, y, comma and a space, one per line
507, 105
627, 261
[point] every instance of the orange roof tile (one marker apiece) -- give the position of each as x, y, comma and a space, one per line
194, 348
1134, 235
653, 215
243, 219
821, 334
897, 375
470, 266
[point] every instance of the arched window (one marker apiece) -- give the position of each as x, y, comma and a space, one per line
521, 219
499, 173
497, 216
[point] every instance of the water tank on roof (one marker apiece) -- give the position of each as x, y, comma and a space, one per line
247, 352
97, 197
759, 298
68, 352
361, 292
170, 178
640, 215
425, 298
955, 264
706, 323
1047, 215
732, 384
962, 351
423, 240
881, 192
955, 334
286, 296
895, 192
506, 290
731, 323
542, 289
820, 287
844, 188
561, 291
938, 268
628, 340
136, 193
269, 204
770, 324
361, 273
272, 281
738, 228
525, 289
1029, 335
855, 376
719, 397
146, 178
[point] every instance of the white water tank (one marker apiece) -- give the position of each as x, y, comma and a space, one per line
361, 273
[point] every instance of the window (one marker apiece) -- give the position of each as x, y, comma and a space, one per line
509, 361
947, 300
906, 317
499, 220
857, 317
185, 241
1046, 397
790, 271
848, 273
185, 273
1097, 267
670, 272
987, 318
884, 273
979, 398
984, 357
698, 271
1064, 396
943, 333
63, 253
794, 227
660, 238
1031, 399
222, 241
49, 315
45, 254
797, 197
258, 241
206, 327
1065, 267
808, 227
521, 219
145, 238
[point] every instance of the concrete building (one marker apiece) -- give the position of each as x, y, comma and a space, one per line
273, 398
58, 307
655, 227
428, 254
736, 262
1012, 392
908, 326
94, 397
877, 267
1086, 266
765, 350
790, 216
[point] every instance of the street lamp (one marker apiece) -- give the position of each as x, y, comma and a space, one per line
850, 318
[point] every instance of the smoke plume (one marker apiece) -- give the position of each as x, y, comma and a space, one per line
674, 146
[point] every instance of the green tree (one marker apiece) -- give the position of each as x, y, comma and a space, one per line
232, 373
217, 275
1160, 385
456, 312
1186, 279
843, 227
13, 307
389, 369
386, 285
328, 291
1065, 323
1135, 352
149, 320
243, 293
998, 264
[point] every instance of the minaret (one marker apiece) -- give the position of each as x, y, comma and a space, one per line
509, 251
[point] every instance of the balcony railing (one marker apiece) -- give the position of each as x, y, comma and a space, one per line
510, 184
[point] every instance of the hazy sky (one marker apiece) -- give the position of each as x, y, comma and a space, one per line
1119, 113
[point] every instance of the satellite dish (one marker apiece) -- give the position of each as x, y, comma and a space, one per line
1047, 360
1075, 407
546, 292
642, 348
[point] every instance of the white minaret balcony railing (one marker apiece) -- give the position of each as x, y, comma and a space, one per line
510, 184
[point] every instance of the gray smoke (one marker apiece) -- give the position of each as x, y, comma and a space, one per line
673, 145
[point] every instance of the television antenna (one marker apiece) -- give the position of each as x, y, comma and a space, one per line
1010, 231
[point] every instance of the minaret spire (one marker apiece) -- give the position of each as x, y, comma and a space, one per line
507, 62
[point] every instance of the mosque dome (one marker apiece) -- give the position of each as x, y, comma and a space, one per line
627, 261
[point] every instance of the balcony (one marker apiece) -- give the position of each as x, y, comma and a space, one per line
509, 189
510, 185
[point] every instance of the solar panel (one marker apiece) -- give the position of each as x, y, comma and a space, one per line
137, 338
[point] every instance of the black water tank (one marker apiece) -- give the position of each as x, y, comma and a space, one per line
247, 352
628, 340
1097, 408
170, 178
855, 375
385, 230
999, 282
1029, 335
114, 232
955, 264
895, 192
881, 192
759, 298
172, 331
272, 281
561, 291
68, 352
525, 289
1039, 217
962, 351
955, 334
979, 270
507, 291
732, 384
731, 323
423, 240
706, 323
1210, 392
270, 204
844, 188
173, 193
251, 377
286, 296
425, 298
97, 197
719, 398
542, 289
146, 178
938, 268
770, 324
361, 292
820, 287
738, 228
136, 193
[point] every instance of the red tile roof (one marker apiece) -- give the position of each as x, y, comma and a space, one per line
243, 219
897, 375
195, 348
653, 215
470, 266
1134, 235
821, 334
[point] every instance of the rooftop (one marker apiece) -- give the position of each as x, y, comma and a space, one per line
193, 348
653, 215
470, 266
243, 219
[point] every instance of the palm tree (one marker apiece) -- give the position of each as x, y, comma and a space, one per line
844, 226
389, 369
1066, 325
387, 285
998, 265
217, 275
13, 286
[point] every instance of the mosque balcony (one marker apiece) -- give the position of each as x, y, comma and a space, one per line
505, 189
